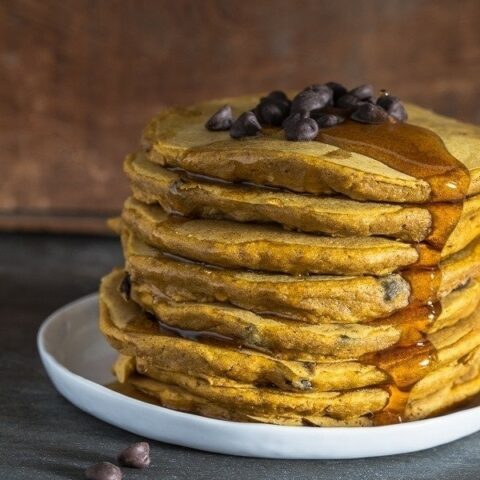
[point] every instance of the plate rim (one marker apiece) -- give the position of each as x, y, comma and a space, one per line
49, 361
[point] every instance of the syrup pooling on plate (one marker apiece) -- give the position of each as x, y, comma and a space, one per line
420, 153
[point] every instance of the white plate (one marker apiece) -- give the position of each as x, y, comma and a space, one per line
78, 361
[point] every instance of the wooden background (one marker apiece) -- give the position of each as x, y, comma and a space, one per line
79, 78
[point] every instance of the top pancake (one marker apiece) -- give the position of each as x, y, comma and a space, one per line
178, 138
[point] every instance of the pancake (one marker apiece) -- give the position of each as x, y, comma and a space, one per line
262, 247
313, 299
200, 198
177, 398
453, 385
133, 333
291, 339
460, 267
178, 138
180, 194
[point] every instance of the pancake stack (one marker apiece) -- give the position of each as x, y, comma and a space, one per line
328, 283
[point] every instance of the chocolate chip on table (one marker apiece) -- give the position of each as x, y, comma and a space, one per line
304, 129
220, 120
392, 106
135, 456
313, 97
272, 111
125, 287
327, 120
369, 113
246, 125
363, 92
103, 471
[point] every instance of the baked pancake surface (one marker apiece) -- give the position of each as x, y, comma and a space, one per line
177, 138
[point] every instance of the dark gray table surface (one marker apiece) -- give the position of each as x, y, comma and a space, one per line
42, 436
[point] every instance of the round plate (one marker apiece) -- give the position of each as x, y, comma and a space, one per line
78, 360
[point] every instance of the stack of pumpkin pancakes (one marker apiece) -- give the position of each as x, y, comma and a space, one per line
300, 283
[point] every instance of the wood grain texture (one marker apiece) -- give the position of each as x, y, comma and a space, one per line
79, 78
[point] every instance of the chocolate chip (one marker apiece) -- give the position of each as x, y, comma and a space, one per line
294, 118
385, 100
246, 125
348, 101
363, 92
276, 95
220, 120
103, 471
368, 113
304, 129
313, 97
393, 106
271, 111
316, 87
125, 287
338, 90
135, 456
327, 120
390, 289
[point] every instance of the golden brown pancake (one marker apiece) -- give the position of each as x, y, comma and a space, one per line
314, 299
262, 247
336, 216
292, 339
184, 374
177, 138
339, 216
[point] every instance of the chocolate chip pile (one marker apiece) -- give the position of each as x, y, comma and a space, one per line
315, 107
134, 456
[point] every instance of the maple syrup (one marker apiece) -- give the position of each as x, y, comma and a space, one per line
410, 149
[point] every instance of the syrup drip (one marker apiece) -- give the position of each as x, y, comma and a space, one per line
420, 153
410, 149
